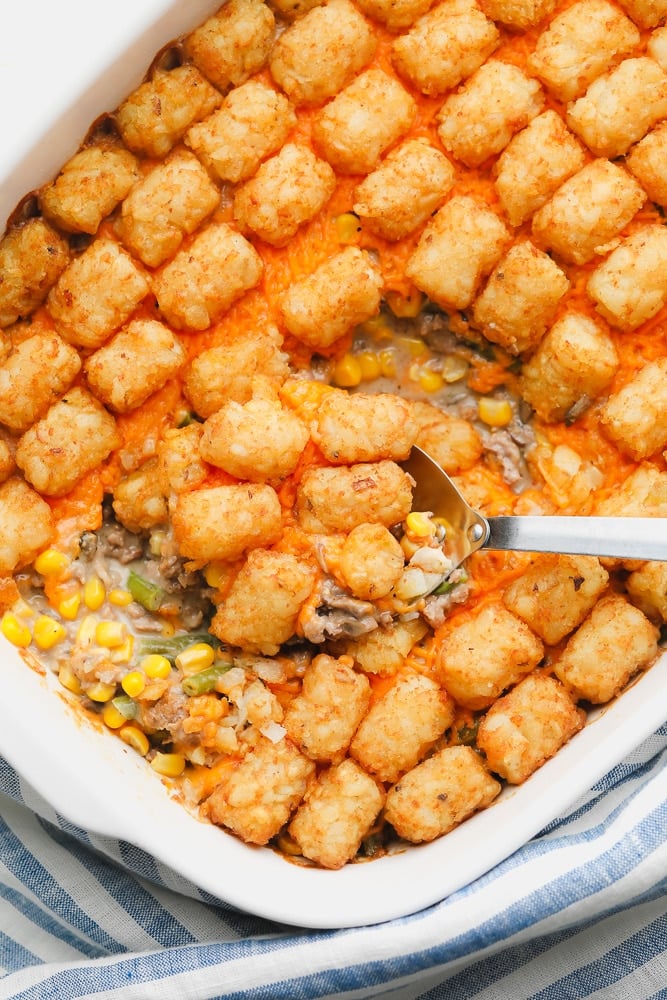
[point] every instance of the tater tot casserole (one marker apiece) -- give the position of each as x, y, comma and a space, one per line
316, 235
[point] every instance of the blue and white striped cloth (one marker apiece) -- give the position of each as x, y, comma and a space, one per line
579, 911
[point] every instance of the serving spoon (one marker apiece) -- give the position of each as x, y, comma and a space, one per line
468, 530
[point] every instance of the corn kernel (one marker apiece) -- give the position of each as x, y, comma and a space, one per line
123, 653
196, 657
51, 562
171, 765
94, 593
387, 359
347, 227
120, 597
133, 683
156, 542
69, 680
215, 575
377, 327
370, 366
16, 631
405, 306
99, 691
347, 371
111, 717
419, 524
415, 346
495, 412
110, 634
48, 632
22, 609
135, 738
454, 368
431, 380
69, 606
155, 666
85, 634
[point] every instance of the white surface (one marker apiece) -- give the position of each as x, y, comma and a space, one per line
90, 777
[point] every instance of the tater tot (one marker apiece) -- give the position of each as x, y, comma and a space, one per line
261, 610
526, 727
647, 589
630, 286
96, 294
645, 13
324, 717
229, 370
407, 187
620, 107
341, 293
364, 427
256, 798
438, 794
338, 810
642, 494
7, 463
259, 440
180, 466
576, 360
74, 436
555, 594
518, 14
481, 117
320, 53
89, 187
645, 162
534, 164
395, 14
520, 298
457, 249
32, 258
579, 44
159, 112
384, 650
223, 522
485, 654
234, 43
287, 191
139, 503
402, 726
202, 281
363, 121
587, 211
613, 643
445, 46
339, 499
451, 441
26, 524
634, 417
25, 393
252, 123
167, 204
134, 364
371, 561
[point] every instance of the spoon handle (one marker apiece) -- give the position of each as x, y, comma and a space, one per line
614, 537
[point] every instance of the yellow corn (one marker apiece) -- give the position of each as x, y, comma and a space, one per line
347, 227
22, 609
431, 380
133, 683
419, 524
387, 359
196, 657
110, 634
123, 653
454, 368
16, 631
370, 366
94, 593
135, 738
111, 717
99, 691
347, 371
156, 542
85, 634
377, 326
495, 412
155, 666
51, 562
171, 765
215, 574
48, 632
120, 597
405, 306
69, 680
415, 346
69, 606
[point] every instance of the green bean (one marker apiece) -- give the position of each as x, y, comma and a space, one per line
150, 595
174, 645
205, 680
125, 705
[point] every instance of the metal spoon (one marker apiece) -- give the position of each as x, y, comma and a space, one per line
468, 530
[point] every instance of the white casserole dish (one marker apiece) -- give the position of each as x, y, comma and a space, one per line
78, 61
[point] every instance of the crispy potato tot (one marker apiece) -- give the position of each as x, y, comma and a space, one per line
223, 522
364, 427
371, 561
32, 258
234, 43
26, 524
634, 417
89, 187
25, 394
